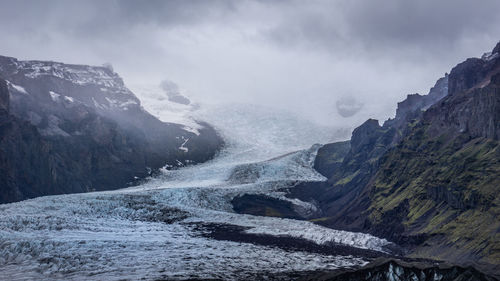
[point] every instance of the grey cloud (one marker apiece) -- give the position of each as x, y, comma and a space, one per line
174, 12
348, 106
107, 19
343, 26
379, 26
173, 93
299, 55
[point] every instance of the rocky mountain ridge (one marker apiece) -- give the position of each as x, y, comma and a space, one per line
440, 179
428, 179
89, 130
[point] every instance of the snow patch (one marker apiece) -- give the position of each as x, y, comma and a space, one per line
191, 130
120, 104
489, 56
155, 101
57, 97
98, 105
54, 96
18, 88
128, 102
183, 147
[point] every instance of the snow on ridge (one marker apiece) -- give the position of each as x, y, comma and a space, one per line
191, 130
55, 96
117, 103
489, 56
18, 88
108, 89
128, 102
78, 74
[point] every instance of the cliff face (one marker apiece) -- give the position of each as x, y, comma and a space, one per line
428, 179
433, 187
23, 155
87, 130
446, 172
414, 105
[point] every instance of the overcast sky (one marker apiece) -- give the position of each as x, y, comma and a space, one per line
300, 55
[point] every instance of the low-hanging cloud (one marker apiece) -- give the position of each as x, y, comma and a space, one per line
298, 55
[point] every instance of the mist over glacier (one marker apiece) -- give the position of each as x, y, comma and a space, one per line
303, 57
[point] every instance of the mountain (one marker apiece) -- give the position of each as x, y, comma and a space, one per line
76, 128
428, 179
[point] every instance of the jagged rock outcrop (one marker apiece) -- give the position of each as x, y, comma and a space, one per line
433, 188
89, 130
473, 104
411, 109
447, 168
330, 157
474, 72
397, 270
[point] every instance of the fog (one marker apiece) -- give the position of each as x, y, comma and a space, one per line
306, 57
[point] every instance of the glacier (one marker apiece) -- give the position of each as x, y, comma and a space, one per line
150, 231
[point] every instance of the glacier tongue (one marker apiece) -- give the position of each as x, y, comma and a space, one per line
149, 231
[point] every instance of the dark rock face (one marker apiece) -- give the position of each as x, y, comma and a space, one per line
424, 178
330, 157
411, 109
475, 113
427, 179
396, 270
472, 106
261, 205
4, 98
474, 73
23, 155
341, 201
496, 50
466, 74
364, 136
87, 130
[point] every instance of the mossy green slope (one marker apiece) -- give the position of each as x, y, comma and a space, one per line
450, 190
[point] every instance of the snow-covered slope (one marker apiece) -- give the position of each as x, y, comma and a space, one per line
156, 101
